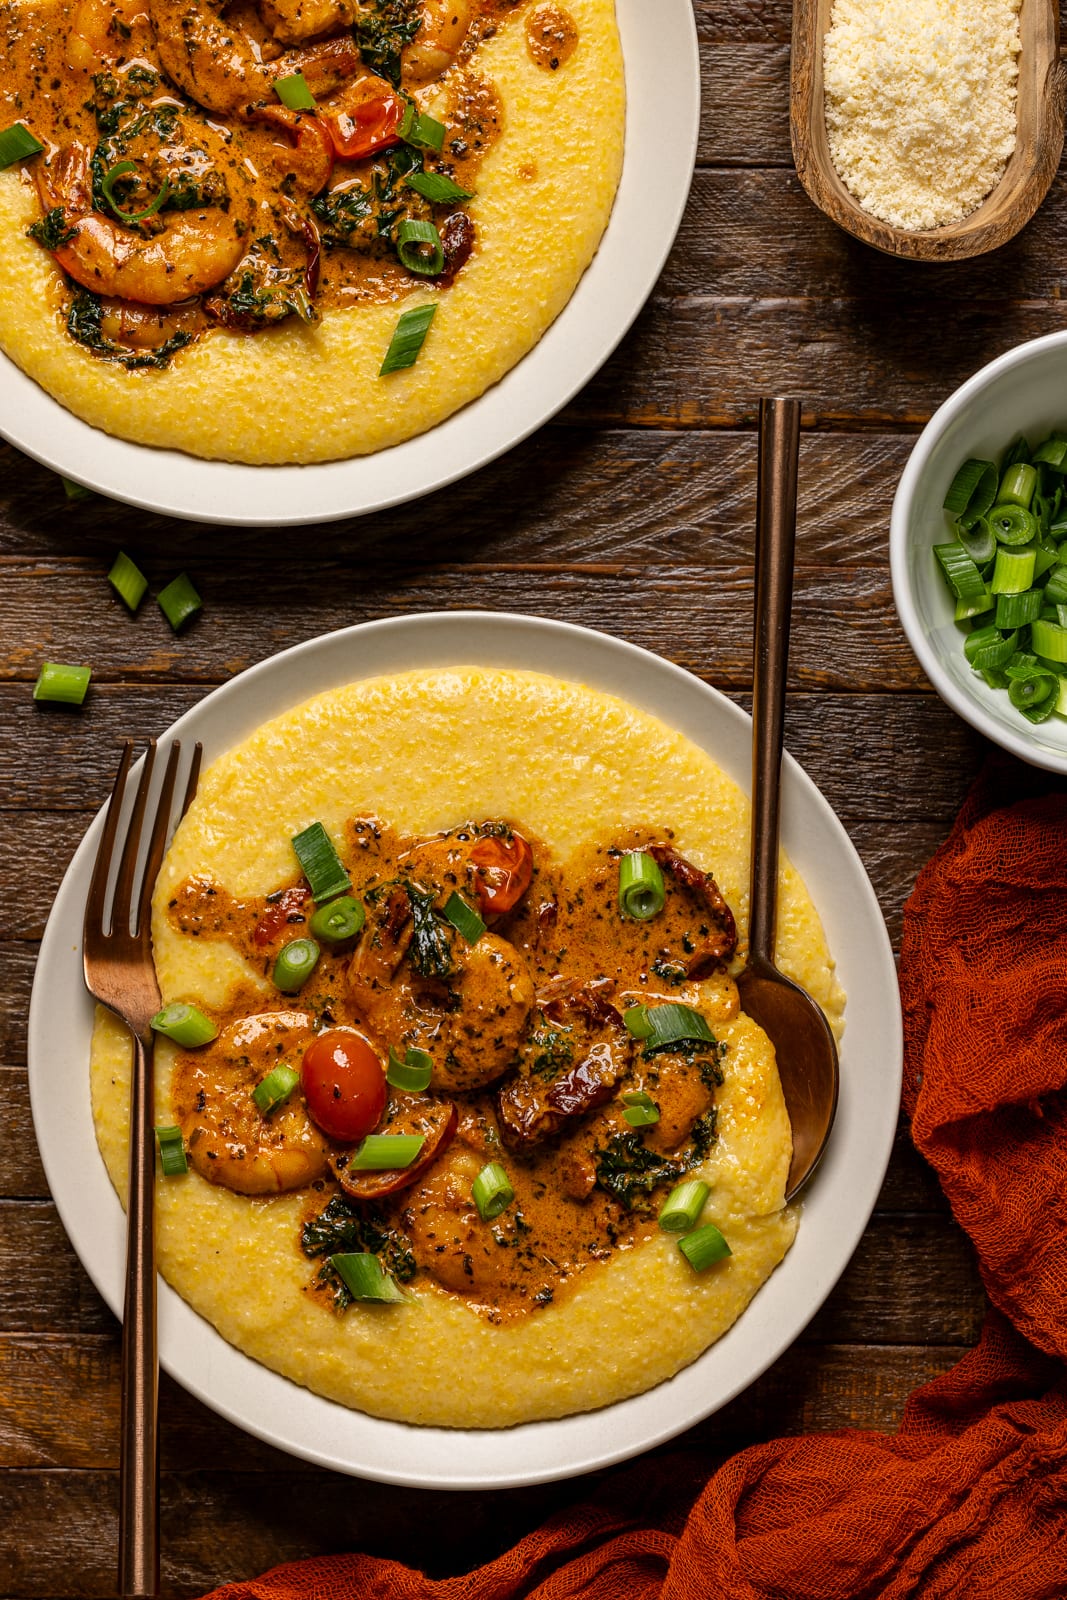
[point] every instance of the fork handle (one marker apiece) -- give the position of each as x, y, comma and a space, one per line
139, 1455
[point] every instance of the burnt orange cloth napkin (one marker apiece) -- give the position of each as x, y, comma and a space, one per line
969, 1498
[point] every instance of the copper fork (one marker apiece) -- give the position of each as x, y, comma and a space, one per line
117, 951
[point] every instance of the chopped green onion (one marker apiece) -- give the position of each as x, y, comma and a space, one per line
172, 1162
1050, 640
1031, 690
418, 244
641, 1111
60, 682
320, 863
407, 340
1019, 451
107, 189
491, 1191
1016, 610
641, 891
704, 1247
972, 483
276, 1087
293, 92
1013, 571
961, 574
673, 1023
987, 650
636, 1020
965, 609
386, 1152
339, 921
979, 541
128, 581
185, 1024
1053, 453
1056, 588
1012, 524
75, 491
179, 601
436, 188
295, 964
16, 143
682, 1207
1017, 485
421, 130
366, 1279
464, 918
412, 1073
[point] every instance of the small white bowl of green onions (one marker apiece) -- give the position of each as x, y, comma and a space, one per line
978, 547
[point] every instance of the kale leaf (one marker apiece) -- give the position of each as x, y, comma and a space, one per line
84, 321
52, 230
382, 34
431, 947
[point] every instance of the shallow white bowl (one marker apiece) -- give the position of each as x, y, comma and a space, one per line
1023, 391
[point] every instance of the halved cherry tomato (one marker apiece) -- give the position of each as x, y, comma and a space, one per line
344, 1084
504, 869
278, 913
362, 128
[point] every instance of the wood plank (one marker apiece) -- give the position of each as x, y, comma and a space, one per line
744, 117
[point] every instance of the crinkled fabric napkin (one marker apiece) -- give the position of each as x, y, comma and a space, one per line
969, 1498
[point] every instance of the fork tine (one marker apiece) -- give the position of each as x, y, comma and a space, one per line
122, 906
194, 777
158, 840
94, 905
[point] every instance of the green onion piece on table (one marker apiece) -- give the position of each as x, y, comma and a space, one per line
366, 1279
407, 340
179, 601
276, 1087
673, 1023
464, 918
172, 1162
62, 683
119, 170
491, 1191
974, 482
294, 93
636, 1020
641, 891
338, 921
436, 188
1012, 524
704, 1247
1013, 571
681, 1209
75, 491
386, 1152
420, 130
320, 863
16, 143
295, 964
1017, 485
640, 1110
411, 1072
128, 581
418, 244
185, 1024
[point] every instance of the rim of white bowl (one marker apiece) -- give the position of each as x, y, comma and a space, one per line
966, 706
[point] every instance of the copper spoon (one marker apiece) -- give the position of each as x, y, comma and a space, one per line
795, 1024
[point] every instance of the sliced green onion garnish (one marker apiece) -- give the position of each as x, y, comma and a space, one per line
366, 1279
972, 483
277, 1086
295, 964
320, 864
673, 1023
412, 1073
339, 921
636, 1020
1055, 590
75, 491
963, 577
106, 187
704, 1247
172, 1162
1050, 640
1017, 485
418, 244
641, 891
1031, 691
1012, 524
966, 609
1016, 610
990, 649
491, 1191
1045, 558
16, 143
386, 1152
418, 129
293, 92
1053, 452
979, 541
641, 1111
179, 601
128, 581
185, 1024
464, 918
58, 681
436, 188
407, 340
1013, 571
682, 1207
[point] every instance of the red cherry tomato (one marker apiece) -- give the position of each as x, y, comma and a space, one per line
363, 127
504, 869
278, 913
344, 1084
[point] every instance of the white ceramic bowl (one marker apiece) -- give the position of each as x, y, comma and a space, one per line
1024, 391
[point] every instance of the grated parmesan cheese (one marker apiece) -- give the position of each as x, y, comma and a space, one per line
920, 104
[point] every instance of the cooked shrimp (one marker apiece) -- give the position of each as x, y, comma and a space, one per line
293, 21
195, 250
444, 26
99, 30
218, 65
229, 1140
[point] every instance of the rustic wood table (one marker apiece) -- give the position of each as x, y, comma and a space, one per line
632, 512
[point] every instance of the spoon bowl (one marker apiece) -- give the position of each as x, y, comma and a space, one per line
795, 1024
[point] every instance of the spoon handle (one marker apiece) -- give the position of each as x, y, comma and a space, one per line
776, 524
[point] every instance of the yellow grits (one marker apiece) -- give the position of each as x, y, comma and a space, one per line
425, 750
304, 394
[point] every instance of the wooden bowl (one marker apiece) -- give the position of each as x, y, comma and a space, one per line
1030, 170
